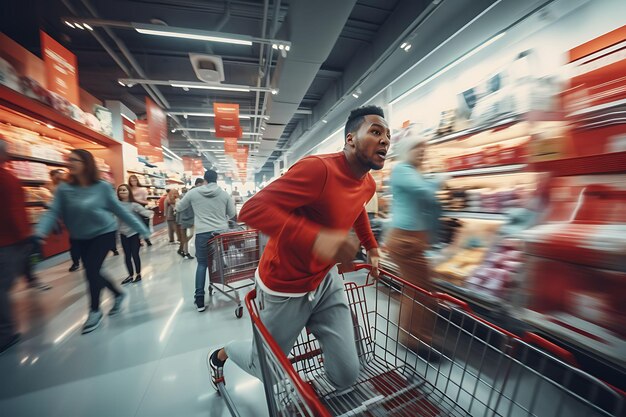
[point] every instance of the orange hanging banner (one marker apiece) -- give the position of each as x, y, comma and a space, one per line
227, 120
157, 124
230, 146
61, 69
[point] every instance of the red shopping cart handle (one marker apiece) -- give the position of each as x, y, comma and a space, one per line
553, 348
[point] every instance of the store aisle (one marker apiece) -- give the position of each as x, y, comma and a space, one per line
148, 361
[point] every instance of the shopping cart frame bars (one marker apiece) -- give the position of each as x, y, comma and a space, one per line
218, 253
310, 398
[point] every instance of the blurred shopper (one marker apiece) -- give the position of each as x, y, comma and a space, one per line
161, 202
58, 176
212, 208
184, 224
128, 236
236, 195
414, 216
199, 182
85, 205
140, 195
169, 206
307, 214
14, 246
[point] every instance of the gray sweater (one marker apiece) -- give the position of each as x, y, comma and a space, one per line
125, 229
212, 207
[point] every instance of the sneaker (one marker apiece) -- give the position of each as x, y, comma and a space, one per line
181, 253
39, 286
200, 303
117, 305
137, 278
74, 267
148, 242
217, 369
116, 252
12, 341
127, 280
93, 321
188, 256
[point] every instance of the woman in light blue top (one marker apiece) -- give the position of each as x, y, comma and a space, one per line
414, 215
86, 205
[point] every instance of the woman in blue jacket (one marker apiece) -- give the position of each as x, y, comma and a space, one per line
86, 205
414, 219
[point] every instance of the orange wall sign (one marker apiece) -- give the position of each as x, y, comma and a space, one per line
61, 69
144, 148
128, 128
157, 124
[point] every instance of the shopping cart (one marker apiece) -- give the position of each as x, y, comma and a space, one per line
233, 258
481, 370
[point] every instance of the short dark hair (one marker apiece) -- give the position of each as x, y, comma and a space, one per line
357, 117
210, 176
199, 181
91, 170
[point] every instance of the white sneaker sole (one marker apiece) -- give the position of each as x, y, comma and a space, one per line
92, 328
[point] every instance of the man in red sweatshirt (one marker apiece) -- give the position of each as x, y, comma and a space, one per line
307, 214
14, 246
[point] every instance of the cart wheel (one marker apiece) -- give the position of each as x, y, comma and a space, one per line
239, 312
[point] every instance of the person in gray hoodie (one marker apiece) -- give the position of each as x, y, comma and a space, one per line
212, 208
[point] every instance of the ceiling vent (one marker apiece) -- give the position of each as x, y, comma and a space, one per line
208, 68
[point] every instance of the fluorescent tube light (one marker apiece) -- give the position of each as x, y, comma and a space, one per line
172, 33
212, 87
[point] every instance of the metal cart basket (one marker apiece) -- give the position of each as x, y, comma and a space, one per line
233, 258
468, 366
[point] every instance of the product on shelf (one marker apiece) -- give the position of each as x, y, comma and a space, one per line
37, 195
33, 214
498, 272
27, 170
8, 75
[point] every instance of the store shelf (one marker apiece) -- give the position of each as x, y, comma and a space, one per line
585, 165
173, 181
483, 300
599, 107
145, 173
499, 123
33, 182
579, 332
484, 171
35, 159
152, 186
39, 112
475, 215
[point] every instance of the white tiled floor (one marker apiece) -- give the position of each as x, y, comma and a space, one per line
148, 361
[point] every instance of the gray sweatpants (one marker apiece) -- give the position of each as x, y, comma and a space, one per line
326, 314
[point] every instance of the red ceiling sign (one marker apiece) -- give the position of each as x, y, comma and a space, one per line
157, 124
61, 69
193, 164
227, 120
230, 146
128, 128
144, 148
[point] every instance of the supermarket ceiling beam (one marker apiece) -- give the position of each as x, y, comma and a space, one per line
178, 32
187, 85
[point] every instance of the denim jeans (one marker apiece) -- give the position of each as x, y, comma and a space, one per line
202, 257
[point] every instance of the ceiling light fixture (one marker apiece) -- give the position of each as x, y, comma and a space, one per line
403, 45
198, 35
79, 26
170, 153
70, 25
213, 131
407, 47
211, 87
121, 83
243, 142
88, 27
